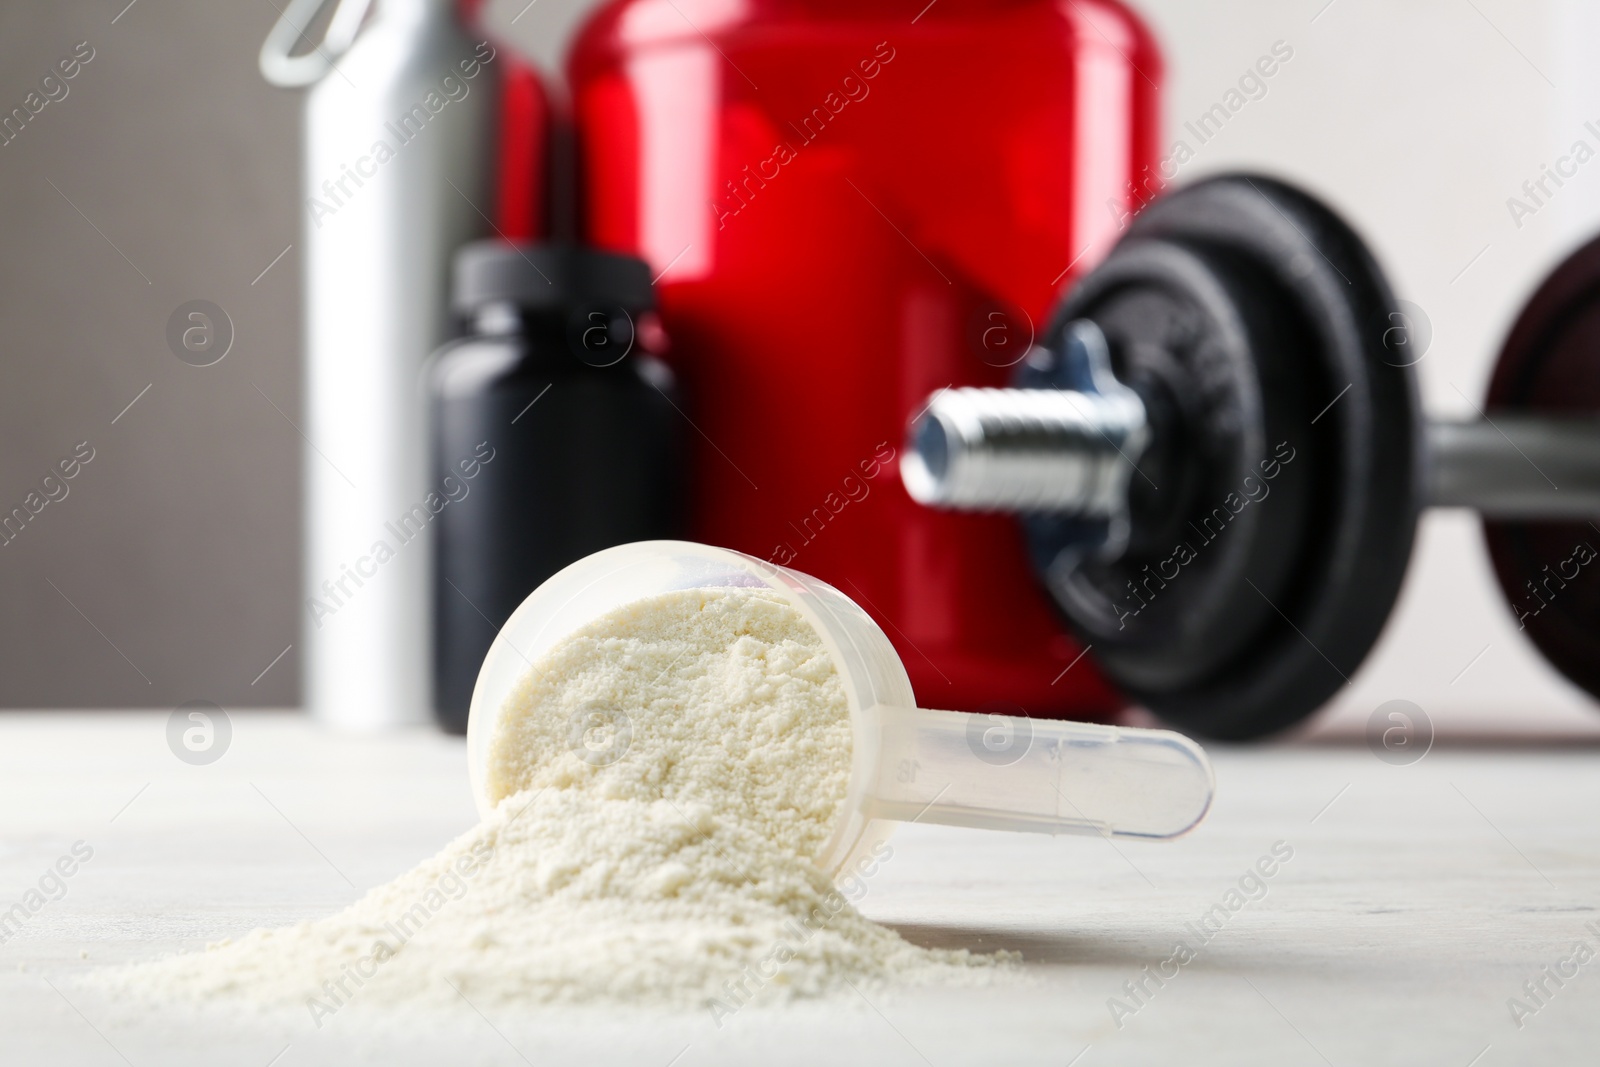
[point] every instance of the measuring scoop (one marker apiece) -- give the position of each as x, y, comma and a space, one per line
909, 764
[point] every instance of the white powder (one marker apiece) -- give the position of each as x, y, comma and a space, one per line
664, 777
721, 697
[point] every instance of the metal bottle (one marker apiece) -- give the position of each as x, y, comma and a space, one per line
398, 123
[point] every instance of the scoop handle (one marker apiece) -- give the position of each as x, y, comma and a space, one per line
1001, 772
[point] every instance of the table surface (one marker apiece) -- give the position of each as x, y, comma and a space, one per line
1418, 901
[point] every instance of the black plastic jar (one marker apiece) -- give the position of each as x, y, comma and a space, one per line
555, 435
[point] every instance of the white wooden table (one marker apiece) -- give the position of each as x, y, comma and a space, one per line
1419, 899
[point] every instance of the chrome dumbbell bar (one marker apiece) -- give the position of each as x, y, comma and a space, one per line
1073, 451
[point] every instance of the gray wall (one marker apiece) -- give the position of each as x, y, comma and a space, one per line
177, 545
166, 174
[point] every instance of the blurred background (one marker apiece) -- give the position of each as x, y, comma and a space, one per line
169, 173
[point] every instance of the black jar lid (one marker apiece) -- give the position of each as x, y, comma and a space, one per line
548, 277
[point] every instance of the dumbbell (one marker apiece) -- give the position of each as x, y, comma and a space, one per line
1217, 458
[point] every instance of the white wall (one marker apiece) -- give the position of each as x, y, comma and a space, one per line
1417, 119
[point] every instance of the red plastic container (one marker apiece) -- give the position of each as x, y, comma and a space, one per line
851, 204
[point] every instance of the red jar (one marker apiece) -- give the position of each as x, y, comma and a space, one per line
851, 204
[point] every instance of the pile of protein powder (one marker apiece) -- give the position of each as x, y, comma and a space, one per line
662, 779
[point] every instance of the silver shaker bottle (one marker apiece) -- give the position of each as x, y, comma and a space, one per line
398, 122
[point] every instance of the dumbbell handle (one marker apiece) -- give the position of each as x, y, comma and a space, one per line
1517, 466
1056, 450
1059, 450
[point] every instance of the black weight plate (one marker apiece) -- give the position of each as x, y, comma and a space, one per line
1306, 286
1213, 540
1549, 571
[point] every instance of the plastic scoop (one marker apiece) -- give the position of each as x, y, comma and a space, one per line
909, 764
